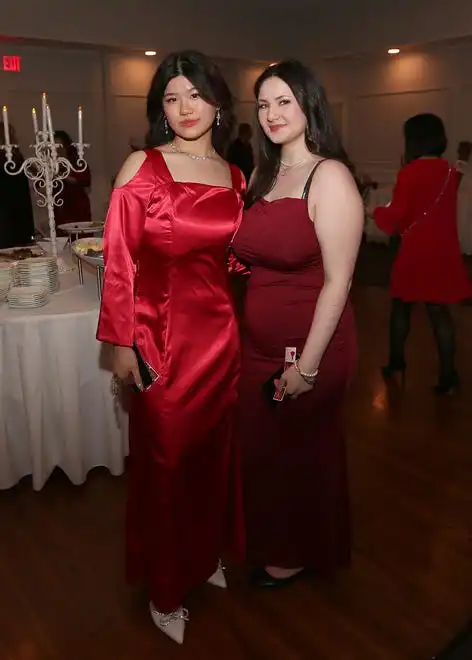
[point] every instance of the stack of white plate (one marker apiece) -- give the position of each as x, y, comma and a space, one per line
38, 271
6, 279
20, 297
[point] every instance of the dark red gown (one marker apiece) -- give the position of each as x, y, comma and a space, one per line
293, 454
166, 287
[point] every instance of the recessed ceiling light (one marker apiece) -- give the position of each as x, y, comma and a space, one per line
150, 53
393, 51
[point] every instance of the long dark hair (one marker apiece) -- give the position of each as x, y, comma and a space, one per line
71, 151
424, 135
64, 137
207, 78
321, 135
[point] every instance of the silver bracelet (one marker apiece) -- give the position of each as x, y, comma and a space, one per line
115, 386
308, 378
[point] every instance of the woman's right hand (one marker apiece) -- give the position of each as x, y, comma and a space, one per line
125, 365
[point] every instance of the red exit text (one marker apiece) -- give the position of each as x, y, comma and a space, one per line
11, 63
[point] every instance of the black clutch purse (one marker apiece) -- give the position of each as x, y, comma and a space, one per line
147, 373
269, 388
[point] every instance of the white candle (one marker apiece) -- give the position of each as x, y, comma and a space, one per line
6, 128
44, 105
49, 122
35, 124
51, 134
81, 128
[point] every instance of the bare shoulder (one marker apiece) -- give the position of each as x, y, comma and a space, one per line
332, 173
334, 194
130, 168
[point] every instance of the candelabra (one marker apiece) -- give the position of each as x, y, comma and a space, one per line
46, 169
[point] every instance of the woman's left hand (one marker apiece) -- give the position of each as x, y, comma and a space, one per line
294, 383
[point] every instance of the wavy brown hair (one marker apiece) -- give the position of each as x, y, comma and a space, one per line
321, 134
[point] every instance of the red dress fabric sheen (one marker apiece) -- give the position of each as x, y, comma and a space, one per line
293, 454
166, 288
429, 265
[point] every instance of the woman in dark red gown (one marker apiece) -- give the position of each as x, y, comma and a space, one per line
300, 236
172, 215
428, 267
75, 198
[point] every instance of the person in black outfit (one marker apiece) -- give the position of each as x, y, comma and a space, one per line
240, 151
16, 210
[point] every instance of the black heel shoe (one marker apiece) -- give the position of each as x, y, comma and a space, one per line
264, 580
447, 386
392, 368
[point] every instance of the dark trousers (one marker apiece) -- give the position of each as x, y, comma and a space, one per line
443, 330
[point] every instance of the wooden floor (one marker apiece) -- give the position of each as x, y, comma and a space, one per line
62, 595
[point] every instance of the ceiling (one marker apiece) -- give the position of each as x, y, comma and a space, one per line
247, 29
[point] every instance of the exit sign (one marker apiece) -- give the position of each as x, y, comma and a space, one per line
11, 63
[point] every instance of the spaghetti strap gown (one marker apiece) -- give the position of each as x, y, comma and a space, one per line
166, 288
293, 454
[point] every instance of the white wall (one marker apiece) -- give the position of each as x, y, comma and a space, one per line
375, 95
111, 88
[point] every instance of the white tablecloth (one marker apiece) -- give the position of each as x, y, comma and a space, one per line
56, 407
379, 197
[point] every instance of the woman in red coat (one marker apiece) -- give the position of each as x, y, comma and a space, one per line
428, 267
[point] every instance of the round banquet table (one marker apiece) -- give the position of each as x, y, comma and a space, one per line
379, 197
56, 406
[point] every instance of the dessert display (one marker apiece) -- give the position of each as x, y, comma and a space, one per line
92, 247
89, 249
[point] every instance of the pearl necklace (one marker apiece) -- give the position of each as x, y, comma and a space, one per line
210, 154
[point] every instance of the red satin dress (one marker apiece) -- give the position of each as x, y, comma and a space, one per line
293, 454
166, 288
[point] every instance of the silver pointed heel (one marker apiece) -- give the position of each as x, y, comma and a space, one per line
218, 578
172, 624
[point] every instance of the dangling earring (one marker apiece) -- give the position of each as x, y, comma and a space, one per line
218, 117
166, 126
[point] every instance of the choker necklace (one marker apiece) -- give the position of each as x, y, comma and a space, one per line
285, 167
210, 154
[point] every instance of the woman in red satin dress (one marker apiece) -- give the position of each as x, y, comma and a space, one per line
173, 212
300, 236
428, 267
